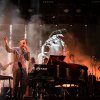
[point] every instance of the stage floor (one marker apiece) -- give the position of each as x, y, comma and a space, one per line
56, 98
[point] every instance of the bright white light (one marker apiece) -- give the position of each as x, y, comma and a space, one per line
25, 35
78, 10
30, 10
41, 25
17, 10
10, 44
66, 10
53, 17
10, 29
71, 25
40, 43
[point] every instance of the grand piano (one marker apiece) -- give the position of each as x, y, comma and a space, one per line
58, 72
58, 69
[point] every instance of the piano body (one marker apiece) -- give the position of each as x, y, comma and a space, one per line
58, 69
59, 72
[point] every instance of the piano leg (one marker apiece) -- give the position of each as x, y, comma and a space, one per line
10, 89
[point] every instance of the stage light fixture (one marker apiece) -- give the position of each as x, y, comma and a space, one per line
78, 10
85, 25
17, 10
53, 17
66, 10
30, 10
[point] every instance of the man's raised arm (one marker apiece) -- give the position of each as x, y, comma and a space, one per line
7, 46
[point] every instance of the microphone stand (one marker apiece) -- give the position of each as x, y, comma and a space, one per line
20, 92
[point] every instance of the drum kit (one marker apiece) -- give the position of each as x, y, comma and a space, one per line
58, 78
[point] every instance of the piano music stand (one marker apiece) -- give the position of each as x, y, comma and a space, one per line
7, 78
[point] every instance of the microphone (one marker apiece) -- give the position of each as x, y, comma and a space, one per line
23, 51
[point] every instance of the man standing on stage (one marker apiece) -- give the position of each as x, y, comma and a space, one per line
20, 67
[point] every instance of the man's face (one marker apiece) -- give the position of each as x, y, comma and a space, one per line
22, 44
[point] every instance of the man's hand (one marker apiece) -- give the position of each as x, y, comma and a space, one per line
5, 40
26, 48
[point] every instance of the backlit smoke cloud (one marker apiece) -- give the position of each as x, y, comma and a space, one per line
81, 57
36, 34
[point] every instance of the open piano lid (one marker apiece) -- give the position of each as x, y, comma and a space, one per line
55, 58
